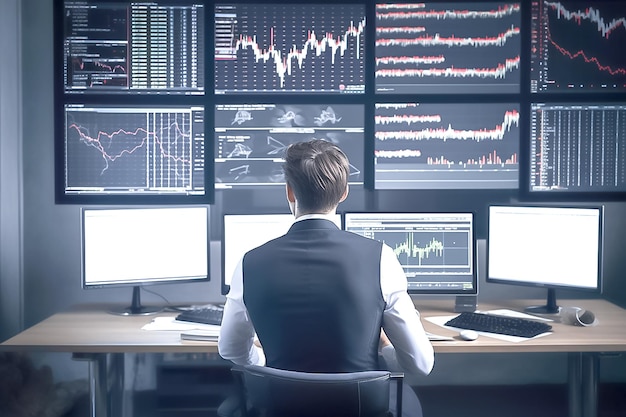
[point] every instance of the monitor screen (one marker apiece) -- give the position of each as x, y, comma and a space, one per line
250, 139
436, 250
577, 46
141, 246
154, 47
576, 150
545, 246
446, 146
448, 47
243, 232
289, 48
135, 152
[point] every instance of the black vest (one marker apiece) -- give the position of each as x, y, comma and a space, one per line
314, 298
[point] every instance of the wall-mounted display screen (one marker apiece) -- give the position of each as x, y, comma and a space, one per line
577, 46
289, 48
138, 47
448, 47
134, 150
250, 139
577, 149
446, 146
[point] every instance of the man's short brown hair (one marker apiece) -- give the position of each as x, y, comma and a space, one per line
317, 171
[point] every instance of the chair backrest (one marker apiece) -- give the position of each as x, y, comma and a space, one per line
275, 392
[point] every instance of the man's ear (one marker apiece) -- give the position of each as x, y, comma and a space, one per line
345, 194
290, 195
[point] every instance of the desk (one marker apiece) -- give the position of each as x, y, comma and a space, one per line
91, 334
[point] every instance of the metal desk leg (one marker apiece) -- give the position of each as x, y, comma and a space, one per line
98, 398
589, 387
116, 385
574, 376
583, 371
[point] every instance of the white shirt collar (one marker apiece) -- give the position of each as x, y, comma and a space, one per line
330, 217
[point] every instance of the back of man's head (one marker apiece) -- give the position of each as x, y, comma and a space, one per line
317, 171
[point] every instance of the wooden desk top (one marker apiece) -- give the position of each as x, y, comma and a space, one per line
90, 329
609, 335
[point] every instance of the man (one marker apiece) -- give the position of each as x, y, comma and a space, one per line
318, 296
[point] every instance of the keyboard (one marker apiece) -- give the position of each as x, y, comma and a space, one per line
204, 315
510, 326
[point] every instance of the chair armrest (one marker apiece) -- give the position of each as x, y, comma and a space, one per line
399, 378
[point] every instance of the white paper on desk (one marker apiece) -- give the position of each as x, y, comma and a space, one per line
200, 335
442, 320
170, 323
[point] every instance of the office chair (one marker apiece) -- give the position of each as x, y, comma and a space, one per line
271, 392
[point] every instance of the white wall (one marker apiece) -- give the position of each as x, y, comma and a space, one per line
11, 317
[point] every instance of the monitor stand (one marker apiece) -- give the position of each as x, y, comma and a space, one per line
550, 308
136, 309
465, 303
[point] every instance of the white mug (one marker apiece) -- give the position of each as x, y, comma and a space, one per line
577, 316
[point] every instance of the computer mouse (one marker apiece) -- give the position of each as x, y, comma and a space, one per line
468, 335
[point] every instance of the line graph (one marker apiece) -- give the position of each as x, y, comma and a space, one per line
289, 48
448, 48
126, 149
435, 145
428, 249
576, 46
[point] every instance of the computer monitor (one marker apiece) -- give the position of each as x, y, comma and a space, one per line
436, 250
545, 246
133, 47
133, 154
439, 47
576, 46
575, 151
142, 246
446, 146
250, 139
304, 48
243, 232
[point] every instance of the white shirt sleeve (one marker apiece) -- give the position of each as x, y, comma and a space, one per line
236, 340
401, 321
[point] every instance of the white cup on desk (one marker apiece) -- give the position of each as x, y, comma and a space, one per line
577, 316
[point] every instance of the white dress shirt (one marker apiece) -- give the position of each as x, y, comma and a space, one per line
401, 322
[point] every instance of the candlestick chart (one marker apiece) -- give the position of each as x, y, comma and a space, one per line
289, 48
